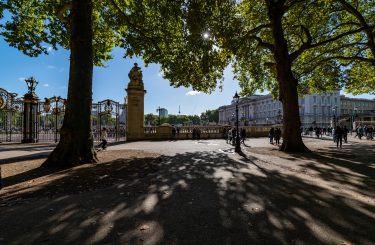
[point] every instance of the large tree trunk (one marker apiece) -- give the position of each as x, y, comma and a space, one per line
292, 139
76, 140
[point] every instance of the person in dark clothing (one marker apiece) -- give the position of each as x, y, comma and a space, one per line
234, 136
338, 136
174, 132
345, 132
277, 136
243, 135
194, 133
271, 135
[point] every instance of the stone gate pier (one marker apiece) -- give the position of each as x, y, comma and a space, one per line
135, 114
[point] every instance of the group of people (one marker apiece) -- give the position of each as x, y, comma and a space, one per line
274, 134
340, 133
367, 130
231, 135
318, 131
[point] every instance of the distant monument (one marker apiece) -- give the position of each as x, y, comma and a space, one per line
135, 114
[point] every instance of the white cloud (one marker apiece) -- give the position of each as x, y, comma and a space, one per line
160, 74
48, 48
192, 93
45, 85
51, 67
21, 79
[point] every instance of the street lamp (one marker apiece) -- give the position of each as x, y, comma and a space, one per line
31, 84
334, 116
30, 109
354, 116
158, 110
236, 99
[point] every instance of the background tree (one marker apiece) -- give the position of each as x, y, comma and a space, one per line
151, 119
284, 46
211, 115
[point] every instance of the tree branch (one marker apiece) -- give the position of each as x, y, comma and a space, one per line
307, 46
127, 20
263, 44
304, 45
335, 50
258, 29
341, 57
370, 33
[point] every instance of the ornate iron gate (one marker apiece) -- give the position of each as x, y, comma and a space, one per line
108, 114
50, 118
50, 114
11, 116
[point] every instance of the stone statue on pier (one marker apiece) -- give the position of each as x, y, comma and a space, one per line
135, 105
135, 75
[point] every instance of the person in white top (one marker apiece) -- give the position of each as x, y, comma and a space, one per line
104, 136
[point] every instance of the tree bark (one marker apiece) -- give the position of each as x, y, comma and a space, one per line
292, 139
76, 141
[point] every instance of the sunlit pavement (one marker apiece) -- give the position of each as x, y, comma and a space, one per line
204, 193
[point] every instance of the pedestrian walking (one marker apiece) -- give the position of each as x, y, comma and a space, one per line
243, 135
345, 132
271, 135
174, 132
103, 137
277, 136
338, 136
234, 134
229, 136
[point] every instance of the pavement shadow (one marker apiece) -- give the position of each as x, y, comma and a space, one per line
33, 156
26, 147
190, 198
352, 166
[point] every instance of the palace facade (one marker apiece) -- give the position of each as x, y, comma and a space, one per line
315, 109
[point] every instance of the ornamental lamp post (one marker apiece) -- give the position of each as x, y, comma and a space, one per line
354, 117
158, 110
30, 102
334, 116
236, 99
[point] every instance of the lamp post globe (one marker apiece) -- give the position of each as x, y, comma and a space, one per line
31, 84
236, 99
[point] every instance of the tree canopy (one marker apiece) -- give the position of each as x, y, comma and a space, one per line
33, 25
283, 46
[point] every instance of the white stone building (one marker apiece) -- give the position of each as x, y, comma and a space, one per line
315, 109
361, 109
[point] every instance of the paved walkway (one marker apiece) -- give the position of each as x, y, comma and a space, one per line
201, 192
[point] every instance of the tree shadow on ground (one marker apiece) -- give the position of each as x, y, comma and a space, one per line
190, 198
27, 147
33, 156
351, 166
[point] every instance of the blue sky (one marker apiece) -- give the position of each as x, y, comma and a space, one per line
52, 70
110, 82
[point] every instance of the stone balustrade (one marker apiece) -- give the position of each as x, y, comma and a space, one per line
164, 132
